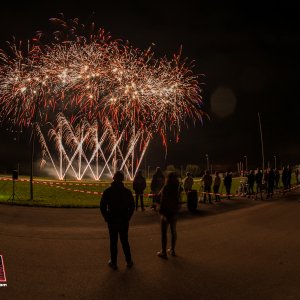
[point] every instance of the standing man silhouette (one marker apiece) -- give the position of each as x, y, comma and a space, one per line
227, 183
207, 182
117, 207
139, 185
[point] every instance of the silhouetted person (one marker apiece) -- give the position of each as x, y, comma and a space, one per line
265, 178
139, 185
216, 187
188, 182
117, 207
251, 181
227, 183
286, 177
259, 180
297, 176
168, 211
207, 182
181, 189
157, 183
289, 177
277, 178
271, 183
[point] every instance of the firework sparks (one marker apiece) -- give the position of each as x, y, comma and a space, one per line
99, 79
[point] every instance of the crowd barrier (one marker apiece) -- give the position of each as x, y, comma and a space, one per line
62, 186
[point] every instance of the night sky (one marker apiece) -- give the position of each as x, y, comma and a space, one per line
249, 55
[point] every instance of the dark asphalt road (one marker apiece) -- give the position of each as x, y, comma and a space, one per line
237, 250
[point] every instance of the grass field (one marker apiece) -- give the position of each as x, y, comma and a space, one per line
53, 193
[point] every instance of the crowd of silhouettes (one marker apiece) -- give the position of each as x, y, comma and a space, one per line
257, 183
117, 203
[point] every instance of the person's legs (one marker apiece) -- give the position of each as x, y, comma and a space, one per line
218, 194
249, 190
218, 198
260, 190
209, 195
136, 201
123, 231
257, 189
113, 235
164, 229
228, 191
152, 206
155, 201
271, 190
173, 223
142, 201
215, 188
204, 196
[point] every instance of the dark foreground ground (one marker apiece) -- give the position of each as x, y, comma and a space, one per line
241, 249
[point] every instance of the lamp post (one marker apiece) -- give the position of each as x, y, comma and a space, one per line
17, 140
33, 134
275, 162
148, 172
262, 143
207, 162
31, 162
246, 163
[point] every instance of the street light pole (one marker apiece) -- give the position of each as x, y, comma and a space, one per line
275, 162
207, 162
262, 144
246, 166
33, 133
31, 164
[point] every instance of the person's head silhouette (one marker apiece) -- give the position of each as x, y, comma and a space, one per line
118, 176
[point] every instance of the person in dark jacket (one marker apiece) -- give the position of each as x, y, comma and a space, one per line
271, 183
284, 178
259, 183
289, 177
157, 183
216, 187
297, 176
227, 183
168, 211
207, 182
139, 185
188, 182
277, 178
117, 207
251, 181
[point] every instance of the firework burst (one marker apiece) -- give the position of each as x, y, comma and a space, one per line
85, 74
